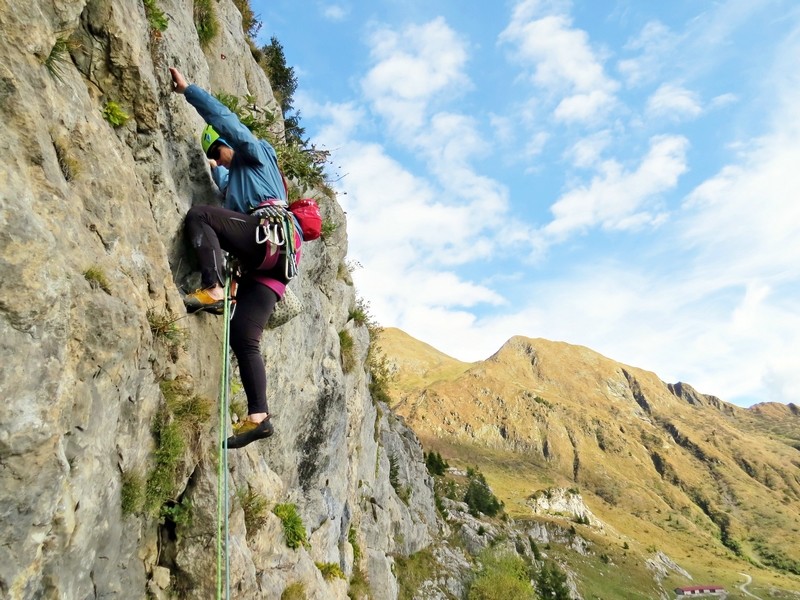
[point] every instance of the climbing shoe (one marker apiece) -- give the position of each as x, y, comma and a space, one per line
247, 432
202, 300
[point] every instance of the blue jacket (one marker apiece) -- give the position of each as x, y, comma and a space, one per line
254, 175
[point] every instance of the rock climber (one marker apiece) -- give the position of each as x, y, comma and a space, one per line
245, 169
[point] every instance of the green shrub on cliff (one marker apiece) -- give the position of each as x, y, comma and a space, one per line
479, 496
177, 424
293, 528
503, 575
300, 161
59, 56
254, 506
156, 17
114, 114
97, 278
205, 21
330, 570
347, 351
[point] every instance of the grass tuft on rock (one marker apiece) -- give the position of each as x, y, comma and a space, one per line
504, 575
412, 571
293, 528
347, 349
162, 481
205, 21
132, 493
255, 510
97, 279
190, 410
330, 571
163, 326
58, 56
178, 422
295, 591
156, 17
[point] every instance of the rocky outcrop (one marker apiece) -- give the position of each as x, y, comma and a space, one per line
566, 503
687, 393
93, 333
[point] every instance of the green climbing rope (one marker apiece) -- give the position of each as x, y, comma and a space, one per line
222, 462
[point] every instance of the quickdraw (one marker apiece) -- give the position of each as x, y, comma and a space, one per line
278, 227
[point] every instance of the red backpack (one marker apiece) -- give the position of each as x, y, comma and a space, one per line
306, 211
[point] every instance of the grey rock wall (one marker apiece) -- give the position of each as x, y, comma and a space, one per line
81, 368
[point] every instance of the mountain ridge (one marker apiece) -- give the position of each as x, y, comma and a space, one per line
637, 448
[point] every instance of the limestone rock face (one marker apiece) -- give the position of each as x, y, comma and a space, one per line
564, 502
92, 327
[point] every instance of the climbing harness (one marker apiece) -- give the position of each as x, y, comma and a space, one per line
223, 536
278, 227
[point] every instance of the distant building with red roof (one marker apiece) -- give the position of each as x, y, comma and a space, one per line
696, 590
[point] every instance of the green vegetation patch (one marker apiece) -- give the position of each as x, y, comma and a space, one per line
359, 586
162, 481
504, 575
205, 21
132, 493
347, 349
774, 557
58, 57
352, 539
114, 114
551, 582
179, 513
330, 570
177, 422
190, 410
250, 23
412, 571
164, 327
255, 510
295, 591
293, 528
479, 496
328, 228
402, 491
299, 161
97, 279
156, 18
436, 464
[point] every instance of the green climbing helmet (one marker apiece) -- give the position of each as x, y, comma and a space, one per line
208, 137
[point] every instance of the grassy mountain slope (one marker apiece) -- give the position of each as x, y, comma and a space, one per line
714, 486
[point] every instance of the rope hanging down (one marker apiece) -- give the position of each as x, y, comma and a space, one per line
223, 536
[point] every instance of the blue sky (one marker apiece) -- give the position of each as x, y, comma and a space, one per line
623, 175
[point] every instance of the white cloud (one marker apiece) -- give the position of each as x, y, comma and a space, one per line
535, 145
712, 303
654, 43
504, 128
616, 199
342, 119
723, 100
674, 102
405, 221
561, 59
335, 12
692, 53
747, 218
411, 68
584, 107
586, 152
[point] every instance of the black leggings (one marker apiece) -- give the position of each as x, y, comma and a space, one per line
211, 230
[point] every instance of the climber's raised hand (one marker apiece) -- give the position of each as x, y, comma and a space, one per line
179, 83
